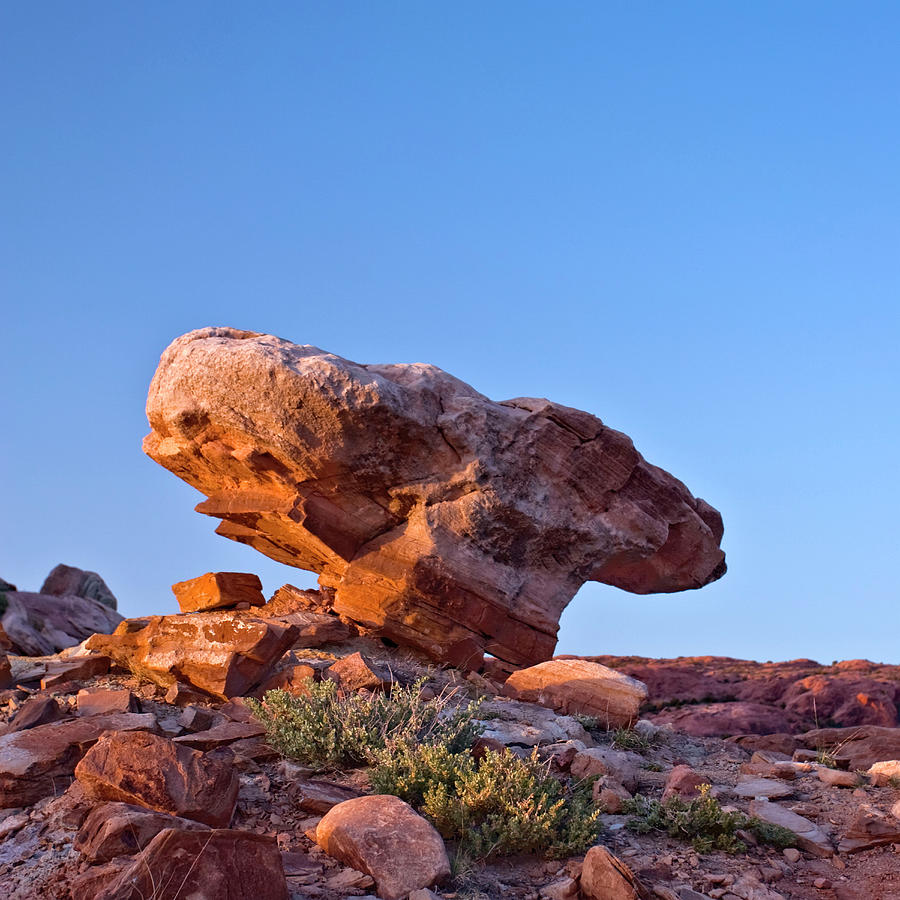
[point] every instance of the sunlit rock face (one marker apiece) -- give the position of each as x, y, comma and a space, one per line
433, 515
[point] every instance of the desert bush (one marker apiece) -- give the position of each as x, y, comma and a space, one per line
498, 805
328, 728
703, 822
628, 739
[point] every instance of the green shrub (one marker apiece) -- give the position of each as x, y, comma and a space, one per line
703, 822
494, 806
626, 739
327, 728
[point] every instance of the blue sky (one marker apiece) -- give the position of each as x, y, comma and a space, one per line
680, 217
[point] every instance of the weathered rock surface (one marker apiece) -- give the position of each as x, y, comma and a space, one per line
225, 654
573, 686
103, 701
724, 719
433, 515
221, 864
218, 590
121, 829
605, 877
152, 771
870, 828
34, 763
857, 748
387, 839
41, 624
71, 580
810, 837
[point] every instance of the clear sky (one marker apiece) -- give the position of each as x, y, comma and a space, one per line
682, 217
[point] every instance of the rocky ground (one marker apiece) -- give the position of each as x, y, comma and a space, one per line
64, 832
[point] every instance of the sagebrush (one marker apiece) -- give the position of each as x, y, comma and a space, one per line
329, 728
703, 822
497, 805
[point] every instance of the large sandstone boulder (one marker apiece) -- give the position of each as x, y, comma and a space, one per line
225, 654
573, 686
386, 838
42, 624
434, 516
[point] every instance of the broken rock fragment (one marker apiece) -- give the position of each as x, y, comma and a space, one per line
221, 864
225, 654
605, 877
156, 773
433, 515
218, 590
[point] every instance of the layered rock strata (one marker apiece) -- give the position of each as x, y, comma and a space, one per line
433, 515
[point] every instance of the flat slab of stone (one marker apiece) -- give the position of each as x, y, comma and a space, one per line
572, 686
762, 787
37, 762
810, 837
870, 827
122, 829
221, 735
218, 590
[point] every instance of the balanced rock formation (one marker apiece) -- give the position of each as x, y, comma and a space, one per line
433, 515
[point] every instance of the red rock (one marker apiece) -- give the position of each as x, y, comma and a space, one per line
356, 673
295, 679
39, 709
856, 748
577, 686
102, 701
307, 610
387, 839
181, 694
810, 837
850, 701
869, 828
79, 668
198, 718
221, 864
780, 743
43, 624
605, 877
238, 710
6, 679
218, 590
884, 773
219, 735
71, 580
157, 773
225, 654
38, 762
437, 518
723, 719
120, 829
319, 796
609, 794
621, 765
683, 782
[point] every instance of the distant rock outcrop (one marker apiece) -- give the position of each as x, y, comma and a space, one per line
433, 515
81, 583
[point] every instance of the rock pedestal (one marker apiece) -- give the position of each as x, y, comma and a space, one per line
433, 515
